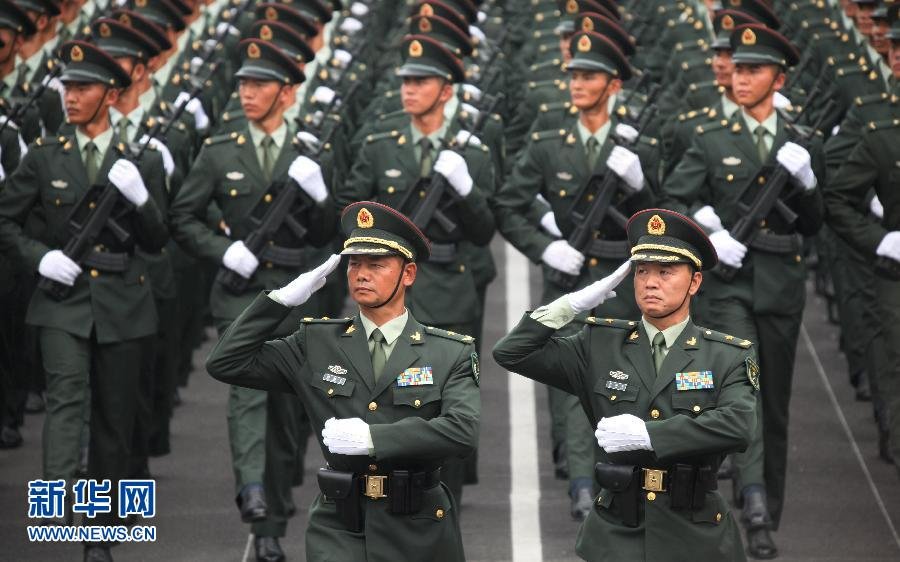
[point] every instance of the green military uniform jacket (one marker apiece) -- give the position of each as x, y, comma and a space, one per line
44, 189
685, 426
721, 161
328, 366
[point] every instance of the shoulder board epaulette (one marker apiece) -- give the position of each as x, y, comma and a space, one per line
712, 126
648, 140
696, 113
610, 323
555, 106
50, 141
449, 335
325, 320
546, 63
884, 124
551, 134
391, 115
10, 124
713, 335
381, 136
218, 139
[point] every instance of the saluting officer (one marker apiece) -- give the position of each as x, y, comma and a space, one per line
234, 173
764, 302
669, 398
390, 399
92, 340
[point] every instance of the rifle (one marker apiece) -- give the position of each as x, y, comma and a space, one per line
427, 209
18, 111
768, 199
597, 194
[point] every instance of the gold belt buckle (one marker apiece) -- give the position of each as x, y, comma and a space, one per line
654, 480
375, 487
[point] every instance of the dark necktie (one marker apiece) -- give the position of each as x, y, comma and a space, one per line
91, 165
379, 357
426, 160
593, 150
761, 149
659, 355
268, 145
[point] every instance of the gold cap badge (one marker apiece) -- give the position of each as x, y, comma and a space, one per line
748, 37
587, 24
271, 13
125, 18
425, 25
571, 7
735, 3
584, 44
426, 10
77, 55
728, 23
105, 31
140, 3
415, 49
364, 219
253, 51
656, 226
265, 33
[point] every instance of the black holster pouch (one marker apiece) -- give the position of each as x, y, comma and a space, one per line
706, 481
406, 492
623, 481
343, 489
681, 486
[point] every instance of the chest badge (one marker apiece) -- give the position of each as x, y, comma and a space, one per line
731, 161
416, 376
235, 176
334, 379
337, 369
619, 375
393, 173
694, 380
564, 176
614, 385
59, 184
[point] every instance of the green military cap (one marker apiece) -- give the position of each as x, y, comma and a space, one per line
373, 229
285, 38
48, 7
438, 8
663, 236
607, 8
425, 56
183, 8
262, 60
15, 18
287, 15
755, 43
465, 8
607, 27
893, 17
591, 51
314, 9
120, 40
444, 31
151, 30
85, 62
759, 11
161, 12
724, 23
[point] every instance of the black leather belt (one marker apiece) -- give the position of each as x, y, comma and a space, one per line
767, 241
443, 253
112, 262
376, 486
282, 256
608, 249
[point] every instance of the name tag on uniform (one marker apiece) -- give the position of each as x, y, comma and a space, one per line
695, 380
415, 376
731, 161
620, 386
334, 379
235, 176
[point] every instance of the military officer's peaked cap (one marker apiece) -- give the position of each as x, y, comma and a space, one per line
283, 13
425, 56
893, 17
724, 24
160, 12
85, 62
120, 40
262, 60
591, 51
145, 26
755, 43
373, 229
285, 38
659, 235
48, 7
464, 8
444, 31
15, 18
438, 8
607, 8
313, 9
759, 10
607, 27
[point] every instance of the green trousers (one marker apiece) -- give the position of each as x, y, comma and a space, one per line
888, 378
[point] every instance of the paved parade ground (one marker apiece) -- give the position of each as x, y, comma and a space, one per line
842, 503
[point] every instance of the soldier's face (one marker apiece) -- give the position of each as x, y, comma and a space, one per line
723, 67
662, 289
564, 40
421, 94
85, 101
879, 37
258, 97
591, 89
371, 279
863, 18
894, 58
752, 83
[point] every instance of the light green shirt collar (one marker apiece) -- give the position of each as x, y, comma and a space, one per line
435, 137
101, 141
729, 108
770, 124
670, 334
452, 105
600, 134
278, 135
31, 62
391, 330
135, 116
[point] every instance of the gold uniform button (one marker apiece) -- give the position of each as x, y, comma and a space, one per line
373, 467
58, 202
798, 258
268, 198
391, 189
373, 406
613, 397
92, 205
330, 391
593, 262
269, 265
417, 403
141, 279
439, 513
462, 268
233, 193
651, 496
718, 517
730, 177
562, 192
654, 413
95, 274
696, 408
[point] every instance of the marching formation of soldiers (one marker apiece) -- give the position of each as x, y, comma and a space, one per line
675, 168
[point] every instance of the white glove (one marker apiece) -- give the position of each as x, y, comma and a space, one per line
477, 34
463, 136
224, 27
127, 179
358, 9
481, 16
624, 432
876, 208
350, 26
453, 167
308, 138
2, 171
347, 436
342, 57
889, 247
471, 109
559, 255
168, 162
195, 108
300, 289
730, 251
548, 221
308, 174
627, 166
54, 84
627, 132
240, 260
323, 95
600, 291
796, 160
780, 101
473, 91
59, 267
708, 219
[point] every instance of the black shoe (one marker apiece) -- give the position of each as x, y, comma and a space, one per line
34, 403
582, 503
10, 438
726, 469
560, 462
95, 553
268, 549
760, 544
252, 503
176, 398
861, 386
755, 517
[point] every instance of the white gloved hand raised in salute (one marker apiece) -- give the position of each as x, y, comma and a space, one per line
600, 291
300, 289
